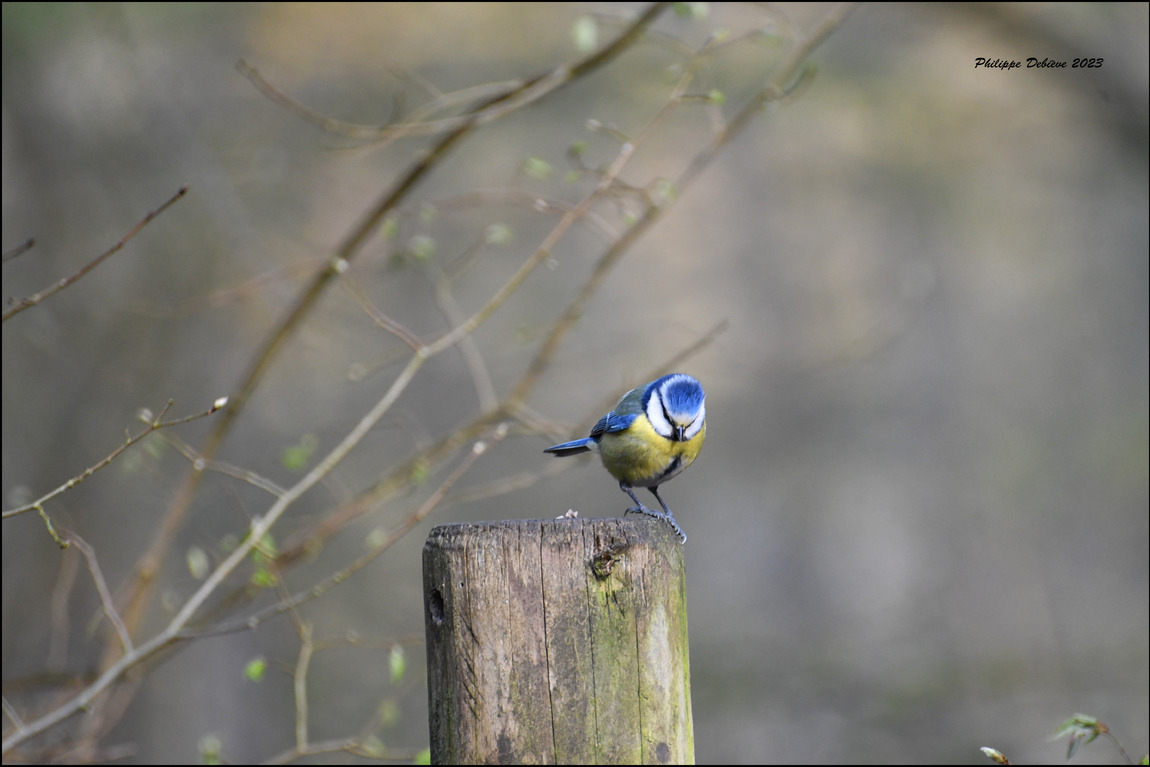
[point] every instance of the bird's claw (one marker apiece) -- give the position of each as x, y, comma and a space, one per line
663, 515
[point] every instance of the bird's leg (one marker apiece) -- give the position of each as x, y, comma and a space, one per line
664, 515
659, 498
638, 508
670, 517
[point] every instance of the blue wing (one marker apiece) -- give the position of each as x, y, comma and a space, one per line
611, 423
608, 424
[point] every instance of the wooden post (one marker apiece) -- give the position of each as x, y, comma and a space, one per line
557, 641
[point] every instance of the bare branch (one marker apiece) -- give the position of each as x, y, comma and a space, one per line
19, 250
102, 588
20, 304
154, 424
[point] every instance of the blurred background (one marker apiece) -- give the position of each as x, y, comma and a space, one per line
919, 524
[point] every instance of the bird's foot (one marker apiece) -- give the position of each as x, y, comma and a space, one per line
663, 515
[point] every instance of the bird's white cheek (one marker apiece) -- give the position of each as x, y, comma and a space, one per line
658, 420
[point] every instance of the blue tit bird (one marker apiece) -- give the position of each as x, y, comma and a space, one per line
654, 433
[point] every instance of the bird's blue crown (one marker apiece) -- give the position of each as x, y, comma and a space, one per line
682, 395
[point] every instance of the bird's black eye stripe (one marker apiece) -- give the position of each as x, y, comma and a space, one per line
676, 430
678, 433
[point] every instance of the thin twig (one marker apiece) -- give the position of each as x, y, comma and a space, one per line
19, 250
153, 425
413, 127
102, 588
56, 657
199, 463
20, 304
300, 686
379, 318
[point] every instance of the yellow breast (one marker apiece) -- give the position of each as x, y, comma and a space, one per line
641, 457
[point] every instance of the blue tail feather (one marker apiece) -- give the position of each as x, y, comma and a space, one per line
571, 448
